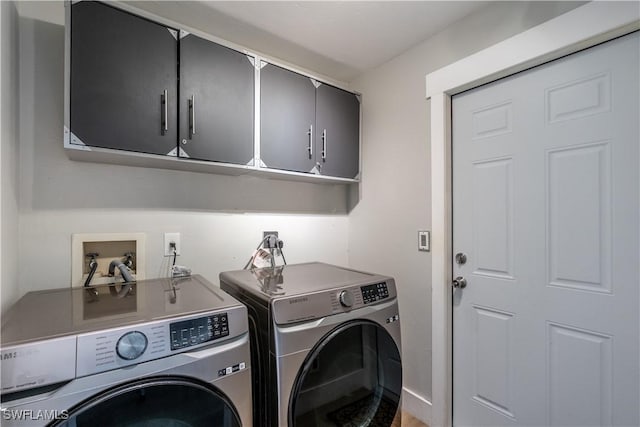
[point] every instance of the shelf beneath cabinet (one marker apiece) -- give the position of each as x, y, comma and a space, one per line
130, 158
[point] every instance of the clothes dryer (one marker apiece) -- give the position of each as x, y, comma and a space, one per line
153, 353
325, 345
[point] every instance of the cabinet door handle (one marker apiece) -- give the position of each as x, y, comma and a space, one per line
192, 111
324, 144
310, 147
165, 112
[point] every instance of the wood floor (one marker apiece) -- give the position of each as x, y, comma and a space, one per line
409, 421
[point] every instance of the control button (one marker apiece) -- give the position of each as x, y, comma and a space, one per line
131, 345
346, 299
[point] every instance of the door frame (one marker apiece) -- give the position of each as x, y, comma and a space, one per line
583, 27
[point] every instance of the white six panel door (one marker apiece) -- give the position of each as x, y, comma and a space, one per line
546, 208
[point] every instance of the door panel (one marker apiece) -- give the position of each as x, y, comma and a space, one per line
579, 372
287, 115
493, 222
580, 247
120, 67
493, 382
546, 208
216, 91
337, 132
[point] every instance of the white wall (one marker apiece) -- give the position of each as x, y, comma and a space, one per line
221, 218
9, 291
395, 189
211, 242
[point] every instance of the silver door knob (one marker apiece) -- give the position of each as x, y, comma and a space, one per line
460, 282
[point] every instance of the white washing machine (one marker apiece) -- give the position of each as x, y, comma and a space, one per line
325, 345
153, 353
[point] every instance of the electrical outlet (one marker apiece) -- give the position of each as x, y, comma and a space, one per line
170, 238
266, 243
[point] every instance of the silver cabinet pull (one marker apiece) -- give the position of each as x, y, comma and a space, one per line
310, 147
192, 112
165, 110
324, 144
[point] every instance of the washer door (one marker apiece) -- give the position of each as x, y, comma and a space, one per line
352, 377
161, 402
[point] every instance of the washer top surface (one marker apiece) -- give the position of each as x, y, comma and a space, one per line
54, 313
296, 279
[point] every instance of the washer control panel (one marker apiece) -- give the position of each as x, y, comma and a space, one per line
109, 349
187, 333
374, 292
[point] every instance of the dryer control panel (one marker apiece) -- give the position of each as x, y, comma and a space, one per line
374, 292
316, 305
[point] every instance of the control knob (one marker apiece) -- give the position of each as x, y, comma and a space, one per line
131, 345
346, 299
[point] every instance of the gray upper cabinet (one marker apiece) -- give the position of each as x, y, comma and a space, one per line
144, 94
337, 131
287, 118
308, 126
216, 102
123, 86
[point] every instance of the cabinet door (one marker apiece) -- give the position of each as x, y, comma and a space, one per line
121, 66
287, 114
337, 131
216, 102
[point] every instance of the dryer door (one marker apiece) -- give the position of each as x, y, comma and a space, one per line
161, 401
353, 377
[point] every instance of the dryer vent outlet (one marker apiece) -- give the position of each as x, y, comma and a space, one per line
267, 242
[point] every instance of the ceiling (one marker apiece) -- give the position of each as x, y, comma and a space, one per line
337, 39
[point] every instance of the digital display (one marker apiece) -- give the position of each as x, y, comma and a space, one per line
375, 292
191, 332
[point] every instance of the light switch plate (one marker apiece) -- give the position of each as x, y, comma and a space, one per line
424, 241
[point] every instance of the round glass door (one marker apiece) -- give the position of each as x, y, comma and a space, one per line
352, 378
160, 402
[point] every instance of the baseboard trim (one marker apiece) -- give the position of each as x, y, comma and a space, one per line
416, 405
